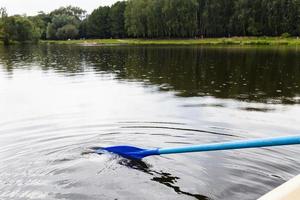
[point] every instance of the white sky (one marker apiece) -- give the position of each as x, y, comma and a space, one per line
31, 7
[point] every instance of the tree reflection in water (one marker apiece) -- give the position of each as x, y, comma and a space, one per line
259, 74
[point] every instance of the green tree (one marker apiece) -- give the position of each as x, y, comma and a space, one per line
18, 28
65, 20
83, 29
51, 31
98, 24
3, 17
136, 18
152, 18
60, 21
76, 12
116, 15
68, 31
155, 19
41, 21
3, 13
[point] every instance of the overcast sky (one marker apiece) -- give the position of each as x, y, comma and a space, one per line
31, 7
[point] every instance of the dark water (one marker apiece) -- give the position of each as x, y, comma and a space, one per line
58, 102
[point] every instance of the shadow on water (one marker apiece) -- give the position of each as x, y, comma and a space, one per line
267, 75
161, 177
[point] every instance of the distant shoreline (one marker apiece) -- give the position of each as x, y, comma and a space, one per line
205, 41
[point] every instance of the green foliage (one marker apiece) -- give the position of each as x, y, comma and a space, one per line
180, 17
68, 31
159, 19
51, 31
65, 23
41, 21
155, 23
76, 12
83, 29
265, 17
3, 13
18, 28
212, 18
3, 16
117, 19
135, 18
98, 25
285, 35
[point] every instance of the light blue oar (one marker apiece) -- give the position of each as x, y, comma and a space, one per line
139, 153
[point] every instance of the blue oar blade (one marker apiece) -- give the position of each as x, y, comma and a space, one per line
130, 152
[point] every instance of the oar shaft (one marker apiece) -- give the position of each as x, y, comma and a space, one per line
254, 143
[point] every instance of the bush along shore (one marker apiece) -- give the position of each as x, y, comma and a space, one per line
200, 41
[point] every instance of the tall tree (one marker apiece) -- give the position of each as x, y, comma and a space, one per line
3, 17
18, 28
117, 19
136, 18
58, 23
155, 19
41, 21
65, 23
77, 12
98, 25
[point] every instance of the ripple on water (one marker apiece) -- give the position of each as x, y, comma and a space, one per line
60, 103
54, 162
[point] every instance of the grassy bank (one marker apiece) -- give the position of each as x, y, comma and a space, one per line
206, 41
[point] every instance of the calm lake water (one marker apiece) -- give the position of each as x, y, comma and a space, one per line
57, 103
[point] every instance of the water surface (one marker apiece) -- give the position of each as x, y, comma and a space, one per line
60, 102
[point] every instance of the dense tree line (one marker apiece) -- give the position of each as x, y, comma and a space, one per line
158, 19
212, 18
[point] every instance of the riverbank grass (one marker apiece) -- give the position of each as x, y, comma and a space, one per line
206, 41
